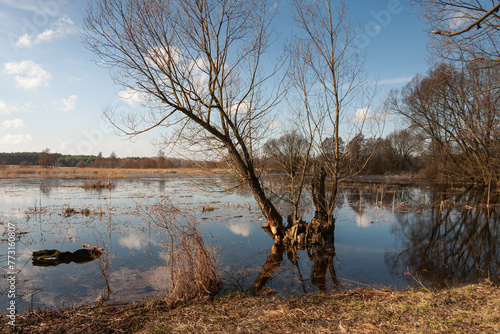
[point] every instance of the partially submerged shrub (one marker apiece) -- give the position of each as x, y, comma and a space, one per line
97, 185
69, 211
208, 208
192, 266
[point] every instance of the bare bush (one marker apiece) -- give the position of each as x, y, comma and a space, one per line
192, 267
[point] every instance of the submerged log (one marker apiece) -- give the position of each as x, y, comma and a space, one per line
53, 257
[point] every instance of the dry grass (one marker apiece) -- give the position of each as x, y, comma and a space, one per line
97, 185
470, 309
192, 267
207, 207
101, 173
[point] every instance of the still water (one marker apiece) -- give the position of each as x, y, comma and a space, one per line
392, 236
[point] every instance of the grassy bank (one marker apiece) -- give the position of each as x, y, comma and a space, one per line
470, 309
89, 172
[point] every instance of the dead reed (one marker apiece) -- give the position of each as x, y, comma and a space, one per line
192, 266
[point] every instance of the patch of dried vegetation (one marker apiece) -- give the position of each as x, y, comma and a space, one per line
469, 309
191, 263
89, 172
97, 185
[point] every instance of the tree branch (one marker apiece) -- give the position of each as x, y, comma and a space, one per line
470, 26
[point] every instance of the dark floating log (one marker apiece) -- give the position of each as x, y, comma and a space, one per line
53, 257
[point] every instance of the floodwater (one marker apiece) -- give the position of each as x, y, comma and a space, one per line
391, 236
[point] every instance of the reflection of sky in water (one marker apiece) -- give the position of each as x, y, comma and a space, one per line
134, 241
364, 235
243, 229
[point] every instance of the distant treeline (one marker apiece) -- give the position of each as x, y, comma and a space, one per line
48, 159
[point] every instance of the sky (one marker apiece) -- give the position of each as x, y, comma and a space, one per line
52, 93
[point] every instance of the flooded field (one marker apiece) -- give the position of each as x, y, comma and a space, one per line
392, 236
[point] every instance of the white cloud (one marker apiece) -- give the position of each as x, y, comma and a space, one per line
195, 148
458, 20
28, 74
240, 108
275, 125
46, 35
394, 81
131, 96
10, 139
6, 108
364, 114
28, 5
13, 124
58, 29
66, 105
160, 56
24, 41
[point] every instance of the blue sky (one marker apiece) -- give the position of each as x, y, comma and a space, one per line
52, 93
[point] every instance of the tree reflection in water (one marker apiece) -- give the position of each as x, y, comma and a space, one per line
456, 241
322, 258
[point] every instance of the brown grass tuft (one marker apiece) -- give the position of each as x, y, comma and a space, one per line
193, 271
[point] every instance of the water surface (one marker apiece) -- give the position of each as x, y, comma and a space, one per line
385, 236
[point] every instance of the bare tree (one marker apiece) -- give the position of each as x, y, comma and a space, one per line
199, 64
289, 150
463, 30
327, 71
99, 162
460, 120
406, 144
45, 159
113, 160
292, 152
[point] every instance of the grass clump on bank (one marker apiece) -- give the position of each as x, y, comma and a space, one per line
469, 309
191, 263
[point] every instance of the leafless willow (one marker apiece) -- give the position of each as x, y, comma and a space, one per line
329, 83
200, 66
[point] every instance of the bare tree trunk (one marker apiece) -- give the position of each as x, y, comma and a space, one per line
318, 195
273, 217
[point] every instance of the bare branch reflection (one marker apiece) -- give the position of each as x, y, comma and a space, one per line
322, 258
447, 245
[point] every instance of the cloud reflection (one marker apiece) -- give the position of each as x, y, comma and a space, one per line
243, 229
134, 241
364, 220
